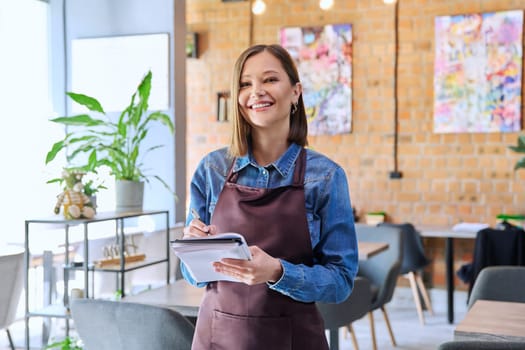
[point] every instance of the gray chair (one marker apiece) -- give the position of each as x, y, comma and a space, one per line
382, 270
414, 260
110, 325
352, 309
501, 283
480, 345
12, 274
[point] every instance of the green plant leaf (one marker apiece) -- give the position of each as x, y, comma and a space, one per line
165, 185
89, 102
55, 180
163, 118
55, 149
520, 164
79, 120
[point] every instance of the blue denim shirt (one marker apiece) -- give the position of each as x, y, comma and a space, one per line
328, 210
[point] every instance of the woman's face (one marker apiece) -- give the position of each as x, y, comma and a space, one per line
265, 92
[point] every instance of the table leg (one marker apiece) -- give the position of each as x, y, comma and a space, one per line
449, 257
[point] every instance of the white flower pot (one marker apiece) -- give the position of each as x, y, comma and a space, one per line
129, 196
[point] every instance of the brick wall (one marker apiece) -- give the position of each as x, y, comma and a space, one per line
447, 178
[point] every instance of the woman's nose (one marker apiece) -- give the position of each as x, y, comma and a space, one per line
257, 91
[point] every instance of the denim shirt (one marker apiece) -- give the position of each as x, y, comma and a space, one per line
328, 211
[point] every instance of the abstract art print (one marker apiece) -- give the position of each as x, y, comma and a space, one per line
478, 72
324, 60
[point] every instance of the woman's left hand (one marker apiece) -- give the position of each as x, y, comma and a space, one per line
261, 269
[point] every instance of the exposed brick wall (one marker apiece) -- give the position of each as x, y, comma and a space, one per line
447, 178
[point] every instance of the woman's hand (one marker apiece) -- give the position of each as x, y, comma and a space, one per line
197, 228
261, 269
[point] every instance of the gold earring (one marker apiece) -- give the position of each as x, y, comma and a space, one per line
294, 107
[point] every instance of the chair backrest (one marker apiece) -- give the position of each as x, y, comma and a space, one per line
496, 247
109, 325
382, 269
12, 275
501, 283
414, 257
356, 306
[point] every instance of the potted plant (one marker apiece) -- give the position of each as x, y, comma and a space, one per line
519, 148
100, 141
68, 343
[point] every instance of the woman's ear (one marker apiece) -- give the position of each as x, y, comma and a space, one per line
297, 91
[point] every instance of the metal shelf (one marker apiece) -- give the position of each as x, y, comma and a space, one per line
62, 311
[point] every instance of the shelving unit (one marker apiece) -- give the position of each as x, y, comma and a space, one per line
61, 310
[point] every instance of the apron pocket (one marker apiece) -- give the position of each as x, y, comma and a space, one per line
250, 332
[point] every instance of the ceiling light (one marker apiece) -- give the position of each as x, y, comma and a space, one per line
258, 7
326, 4
389, 1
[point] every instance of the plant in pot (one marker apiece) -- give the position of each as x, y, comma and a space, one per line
68, 343
118, 145
519, 148
516, 219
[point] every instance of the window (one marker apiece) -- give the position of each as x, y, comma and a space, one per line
26, 134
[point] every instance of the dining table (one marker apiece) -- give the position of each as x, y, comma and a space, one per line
186, 298
449, 234
492, 320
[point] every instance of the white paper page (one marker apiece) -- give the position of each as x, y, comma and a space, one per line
199, 257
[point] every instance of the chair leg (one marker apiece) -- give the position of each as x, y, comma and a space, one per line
424, 293
372, 330
413, 285
388, 326
10, 339
352, 334
334, 339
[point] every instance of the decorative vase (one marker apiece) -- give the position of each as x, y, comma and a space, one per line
129, 196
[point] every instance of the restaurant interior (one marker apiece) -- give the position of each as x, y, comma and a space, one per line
419, 101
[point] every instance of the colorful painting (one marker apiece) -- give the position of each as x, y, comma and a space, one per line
477, 72
324, 59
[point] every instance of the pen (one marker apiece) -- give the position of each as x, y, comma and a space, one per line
195, 214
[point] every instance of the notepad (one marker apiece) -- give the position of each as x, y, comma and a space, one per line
199, 254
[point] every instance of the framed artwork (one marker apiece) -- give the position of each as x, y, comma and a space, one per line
478, 72
324, 59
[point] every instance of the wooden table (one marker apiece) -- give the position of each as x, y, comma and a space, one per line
448, 234
369, 249
186, 299
493, 320
180, 296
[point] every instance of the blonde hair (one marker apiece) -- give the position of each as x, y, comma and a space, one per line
241, 131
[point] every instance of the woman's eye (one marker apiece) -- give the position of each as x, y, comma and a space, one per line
243, 85
271, 80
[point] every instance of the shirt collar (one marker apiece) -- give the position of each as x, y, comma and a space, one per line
283, 165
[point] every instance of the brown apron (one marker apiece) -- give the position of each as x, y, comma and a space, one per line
238, 316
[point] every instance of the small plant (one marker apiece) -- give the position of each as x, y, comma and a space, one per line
67, 343
93, 184
519, 148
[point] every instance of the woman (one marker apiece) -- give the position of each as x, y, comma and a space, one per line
291, 204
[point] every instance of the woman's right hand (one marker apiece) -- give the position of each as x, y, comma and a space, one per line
197, 228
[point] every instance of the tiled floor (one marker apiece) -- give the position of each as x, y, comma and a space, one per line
409, 333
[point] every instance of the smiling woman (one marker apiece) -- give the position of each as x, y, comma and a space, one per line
26, 102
